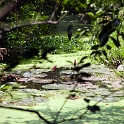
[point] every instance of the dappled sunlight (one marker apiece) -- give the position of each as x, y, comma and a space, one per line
61, 62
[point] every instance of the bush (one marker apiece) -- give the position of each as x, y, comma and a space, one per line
62, 44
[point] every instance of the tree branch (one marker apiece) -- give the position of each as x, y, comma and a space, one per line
27, 110
24, 23
53, 14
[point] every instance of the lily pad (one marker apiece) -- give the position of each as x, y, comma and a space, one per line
106, 100
43, 81
41, 75
11, 83
56, 86
31, 101
88, 95
68, 82
118, 94
28, 90
92, 87
27, 74
68, 72
23, 80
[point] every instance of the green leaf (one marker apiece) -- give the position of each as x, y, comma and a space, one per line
98, 13
83, 33
5, 87
87, 2
91, 15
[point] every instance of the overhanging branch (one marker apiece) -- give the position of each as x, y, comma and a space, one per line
29, 23
27, 110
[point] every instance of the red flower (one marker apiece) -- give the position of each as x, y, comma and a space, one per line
74, 62
54, 68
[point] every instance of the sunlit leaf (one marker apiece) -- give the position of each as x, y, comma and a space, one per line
2, 86
5, 87
98, 13
91, 14
83, 33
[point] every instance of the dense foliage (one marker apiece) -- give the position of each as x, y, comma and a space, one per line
98, 13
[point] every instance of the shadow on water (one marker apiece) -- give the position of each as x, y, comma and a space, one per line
108, 114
